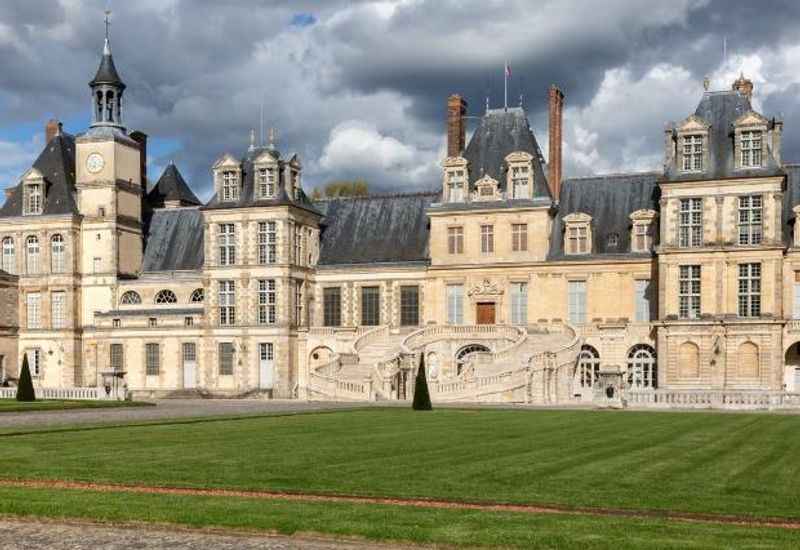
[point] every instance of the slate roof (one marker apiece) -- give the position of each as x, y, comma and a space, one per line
500, 133
609, 200
57, 165
791, 198
172, 187
174, 240
247, 195
107, 72
375, 229
721, 110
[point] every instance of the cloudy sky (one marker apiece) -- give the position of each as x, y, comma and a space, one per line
358, 89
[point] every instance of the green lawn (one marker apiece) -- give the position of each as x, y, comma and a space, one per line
12, 405
744, 464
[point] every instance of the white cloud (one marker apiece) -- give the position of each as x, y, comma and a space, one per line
16, 157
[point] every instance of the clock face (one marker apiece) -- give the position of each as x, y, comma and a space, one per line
95, 163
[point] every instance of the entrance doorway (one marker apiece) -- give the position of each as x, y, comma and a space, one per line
266, 363
791, 379
485, 313
189, 365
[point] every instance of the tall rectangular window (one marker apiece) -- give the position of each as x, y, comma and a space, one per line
267, 302
455, 240
643, 300
796, 308
152, 359
750, 145
117, 359
225, 358
298, 303
332, 306
9, 256
455, 304
227, 244
266, 183
370, 305
34, 302
690, 227
409, 306
487, 239
750, 218
689, 292
267, 243
298, 244
189, 352
455, 186
519, 182
58, 261
32, 256
33, 199
577, 302
577, 239
230, 186
693, 153
227, 303
35, 361
519, 303
642, 239
749, 290
519, 237
58, 306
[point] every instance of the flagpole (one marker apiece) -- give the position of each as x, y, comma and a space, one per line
505, 87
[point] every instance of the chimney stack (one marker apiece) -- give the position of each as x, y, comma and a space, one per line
456, 125
555, 131
141, 139
51, 130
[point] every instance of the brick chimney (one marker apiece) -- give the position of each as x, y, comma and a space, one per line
141, 139
51, 130
456, 125
554, 155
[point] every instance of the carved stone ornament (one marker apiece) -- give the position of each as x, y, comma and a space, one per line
486, 288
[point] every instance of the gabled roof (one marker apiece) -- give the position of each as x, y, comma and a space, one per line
172, 187
609, 200
174, 240
56, 163
375, 229
500, 133
720, 110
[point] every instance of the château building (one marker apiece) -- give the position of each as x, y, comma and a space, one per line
516, 284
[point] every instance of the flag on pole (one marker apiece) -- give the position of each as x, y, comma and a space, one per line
508, 70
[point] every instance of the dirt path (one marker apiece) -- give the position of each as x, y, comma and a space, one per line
781, 523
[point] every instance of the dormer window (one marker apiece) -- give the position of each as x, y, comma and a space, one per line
519, 182
33, 199
750, 149
455, 185
266, 183
613, 241
519, 176
693, 153
642, 230
230, 185
578, 234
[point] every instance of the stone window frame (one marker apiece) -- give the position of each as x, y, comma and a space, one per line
226, 299
456, 170
690, 291
455, 239
226, 369
588, 370
130, 298
152, 359
33, 181
487, 238
164, 297
58, 309
454, 303
198, 296
33, 310
749, 289
643, 224
642, 363
519, 160
226, 243
519, 237
332, 312
33, 255
691, 226
58, 253
9, 261
486, 189
796, 232
750, 122
573, 224
266, 162
409, 312
227, 165
363, 291
267, 242
750, 227
693, 126
116, 356
35, 363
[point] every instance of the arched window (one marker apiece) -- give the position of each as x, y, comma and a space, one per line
642, 368
58, 261
588, 366
9, 256
748, 360
197, 296
130, 298
463, 355
166, 297
32, 257
689, 360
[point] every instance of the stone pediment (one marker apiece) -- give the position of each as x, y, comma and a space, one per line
577, 217
226, 161
32, 175
519, 156
693, 123
643, 215
485, 288
751, 118
266, 157
453, 162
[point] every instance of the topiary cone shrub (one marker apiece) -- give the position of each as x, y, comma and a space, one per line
422, 398
25, 385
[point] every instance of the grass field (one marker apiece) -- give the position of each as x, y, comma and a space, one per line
736, 464
12, 405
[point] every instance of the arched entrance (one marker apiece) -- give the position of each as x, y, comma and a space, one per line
642, 368
791, 381
587, 372
462, 355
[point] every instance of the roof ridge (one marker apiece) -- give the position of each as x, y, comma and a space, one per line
377, 196
616, 175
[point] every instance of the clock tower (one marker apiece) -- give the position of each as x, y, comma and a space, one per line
109, 182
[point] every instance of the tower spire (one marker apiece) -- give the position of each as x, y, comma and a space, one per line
107, 45
107, 87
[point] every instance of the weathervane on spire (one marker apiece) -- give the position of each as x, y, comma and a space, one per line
108, 20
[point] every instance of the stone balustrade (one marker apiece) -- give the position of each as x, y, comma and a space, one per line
65, 394
712, 399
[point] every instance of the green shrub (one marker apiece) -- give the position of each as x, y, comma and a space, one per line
25, 390
422, 397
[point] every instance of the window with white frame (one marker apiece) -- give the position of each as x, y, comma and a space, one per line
298, 244
226, 358
578, 239
588, 366
227, 244
58, 309
130, 298
796, 308
520, 177
693, 153
690, 224
487, 239
577, 302
227, 303
230, 185
34, 303
117, 359
298, 302
750, 290
643, 289
750, 149
9, 256
35, 361
456, 181
455, 304
33, 199
642, 368
266, 182
58, 262
519, 237
197, 297
689, 292
152, 359
750, 219
519, 303
267, 302
455, 240
267, 243
32, 256
166, 297
642, 237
